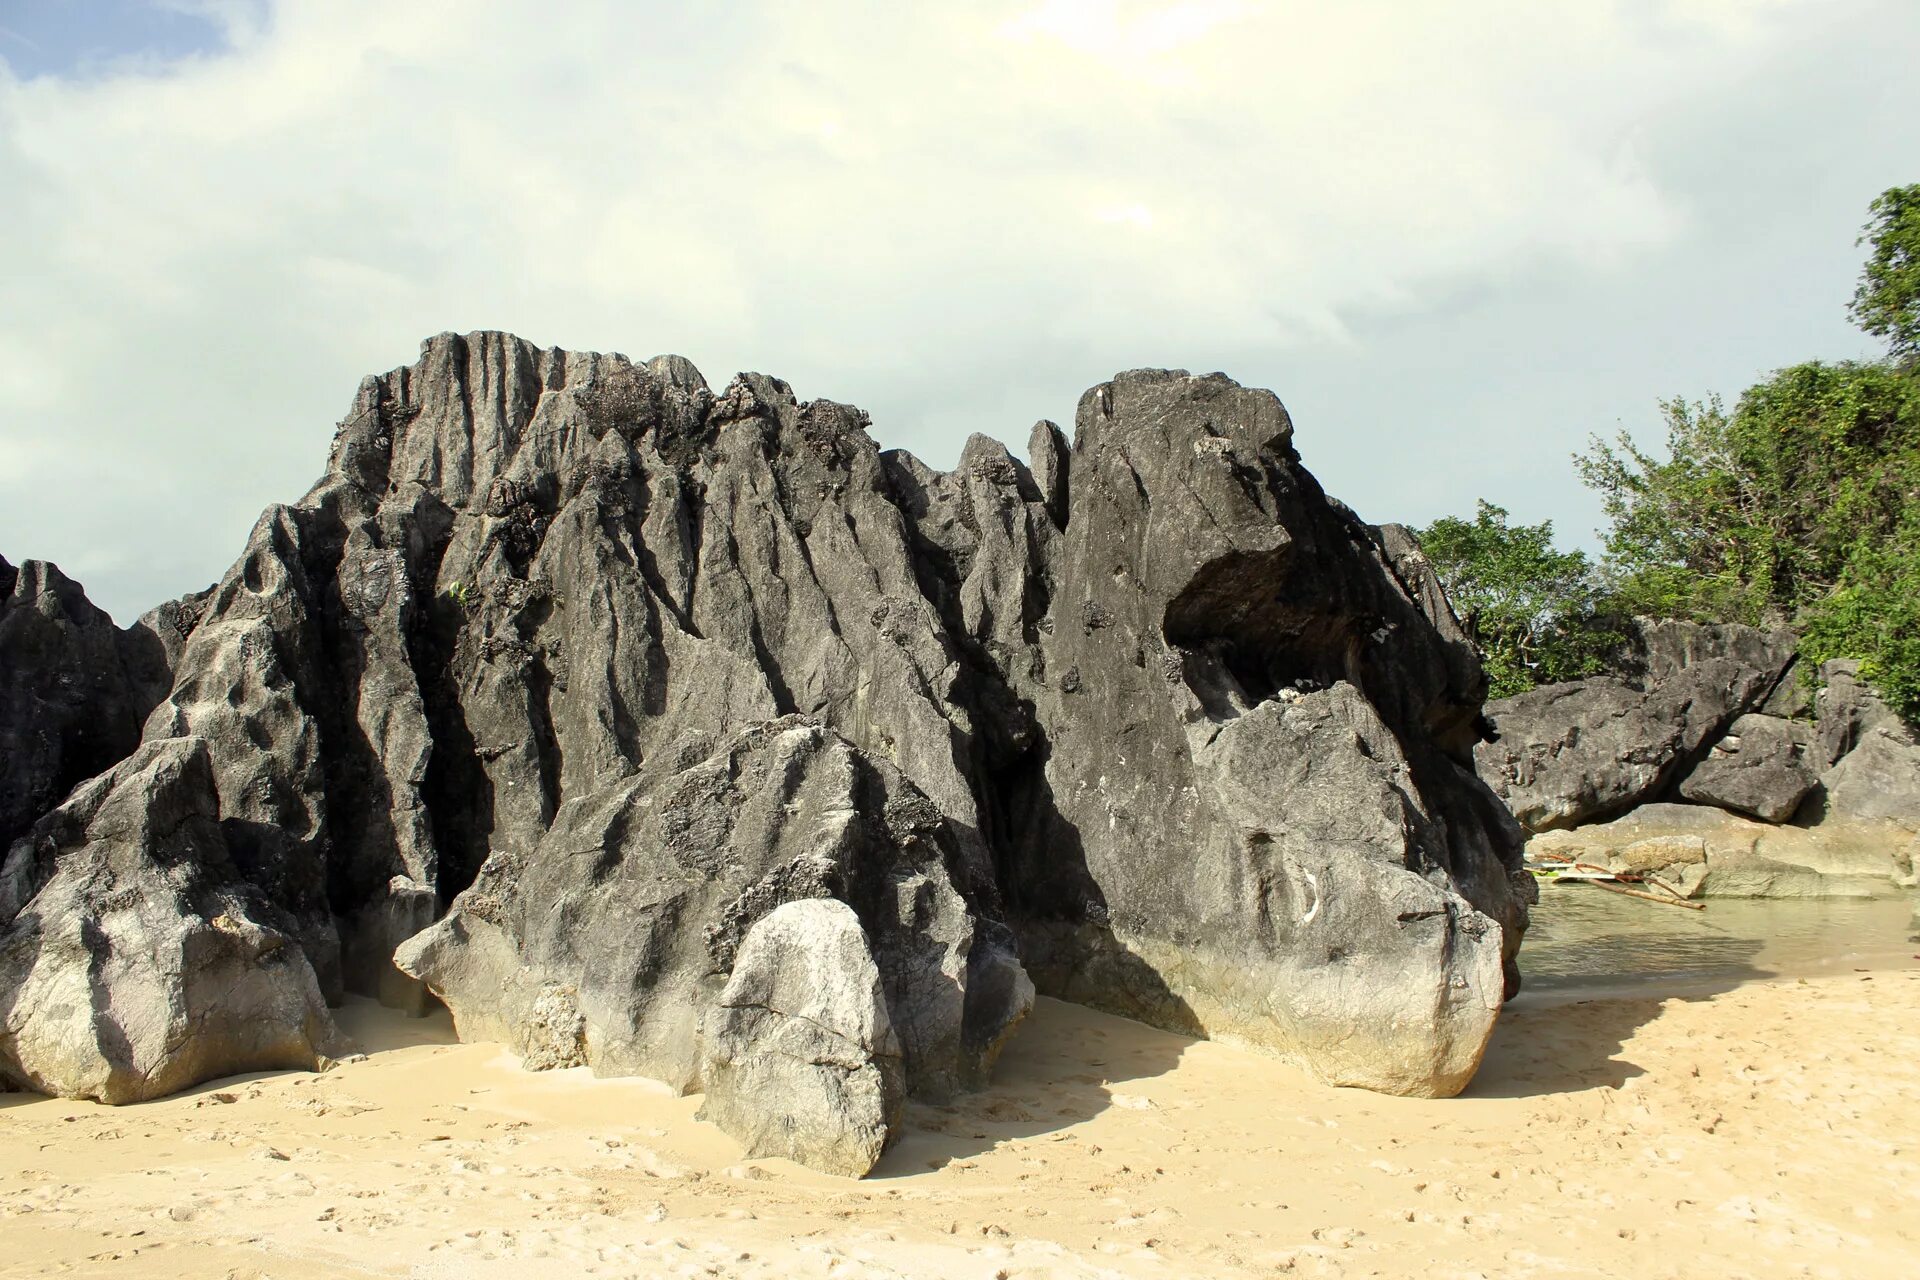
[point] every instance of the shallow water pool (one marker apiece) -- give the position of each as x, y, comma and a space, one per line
1583, 937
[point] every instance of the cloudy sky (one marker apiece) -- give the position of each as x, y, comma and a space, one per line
1458, 238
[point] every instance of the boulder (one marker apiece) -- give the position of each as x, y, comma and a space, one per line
607, 945
800, 1055
74, 690
1566, 754
1874, 778
134, 958
1763, 766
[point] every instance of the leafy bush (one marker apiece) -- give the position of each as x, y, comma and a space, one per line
1532, 611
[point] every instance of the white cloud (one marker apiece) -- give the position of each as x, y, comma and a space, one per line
1127, 34
911, 206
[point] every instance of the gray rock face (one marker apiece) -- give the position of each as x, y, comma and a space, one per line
801, 1059
1874, 776
1228, 766
74, 690
1779, 808
1571, 753
614, 666
134, 958
1763, 766
631, 912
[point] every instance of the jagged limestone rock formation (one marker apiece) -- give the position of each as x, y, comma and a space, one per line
1152, 703
629, 913
801, 1059
74, 690
1566, 754
135, 960
1874, 756
1762, 766
1231, 789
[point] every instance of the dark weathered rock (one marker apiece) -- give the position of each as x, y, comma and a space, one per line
74, 690
1762, 766
1782, 823
1570, 753
134, 958
545, 605
1874, 755
631, 911
801, 1059
1206, 623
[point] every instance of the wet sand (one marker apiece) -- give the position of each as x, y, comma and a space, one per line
1770, 1129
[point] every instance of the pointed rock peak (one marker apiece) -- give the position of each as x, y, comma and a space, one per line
1047, 454
753, 395
677, 372
1143, 400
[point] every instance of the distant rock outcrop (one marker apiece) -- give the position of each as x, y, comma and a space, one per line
1873, 756
609, 668
1708, 748
74, 690
1566, 754
1704, 851
1762, 766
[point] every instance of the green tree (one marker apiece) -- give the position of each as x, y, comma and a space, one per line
1801, 505
1887, 301
1529, 608
1754, 515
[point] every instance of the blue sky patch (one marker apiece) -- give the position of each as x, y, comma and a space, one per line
83, 37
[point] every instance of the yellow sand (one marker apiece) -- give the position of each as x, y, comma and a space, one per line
1769, 1130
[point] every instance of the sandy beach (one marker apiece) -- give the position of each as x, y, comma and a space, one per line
1769, 1129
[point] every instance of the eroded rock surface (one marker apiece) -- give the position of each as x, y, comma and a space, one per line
1228, 774
74, 690
613, 665
1763, 767
1874, 756
1707, 852
1587, 750
1814, 793
801, 1059
135, 959
607, 943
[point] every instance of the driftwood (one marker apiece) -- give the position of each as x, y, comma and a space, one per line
1650, 897
1627, 877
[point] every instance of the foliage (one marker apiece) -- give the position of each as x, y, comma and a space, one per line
1801, 506
1887, 301
1531, 610
462, 594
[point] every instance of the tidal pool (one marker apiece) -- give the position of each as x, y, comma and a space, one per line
1584, 939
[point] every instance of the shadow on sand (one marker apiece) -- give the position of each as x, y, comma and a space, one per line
1062, 1068
1565, 1030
